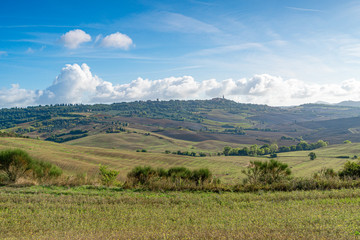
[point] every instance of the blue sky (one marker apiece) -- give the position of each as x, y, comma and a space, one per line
260, 51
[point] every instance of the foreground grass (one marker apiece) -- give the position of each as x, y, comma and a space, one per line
99, 213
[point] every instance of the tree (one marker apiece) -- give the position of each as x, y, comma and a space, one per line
274, 148
312, 156
226, 150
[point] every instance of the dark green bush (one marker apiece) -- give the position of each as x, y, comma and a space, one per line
142, 174
179, 172
201, 175
16, 163
146, 174
161, 172
312, 155
350, 170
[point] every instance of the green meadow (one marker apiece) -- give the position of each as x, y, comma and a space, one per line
98, 213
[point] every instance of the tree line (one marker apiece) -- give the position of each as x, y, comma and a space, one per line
255, 150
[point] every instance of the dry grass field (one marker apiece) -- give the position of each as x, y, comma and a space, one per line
98, 213
79, 159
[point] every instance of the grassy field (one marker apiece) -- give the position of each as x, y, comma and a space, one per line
153, 142
78, 159
79, 213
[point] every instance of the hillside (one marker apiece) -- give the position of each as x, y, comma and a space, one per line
218, 121
79, 159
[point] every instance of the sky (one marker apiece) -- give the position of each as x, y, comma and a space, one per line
274, 52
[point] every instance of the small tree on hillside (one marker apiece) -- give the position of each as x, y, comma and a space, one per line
312, 156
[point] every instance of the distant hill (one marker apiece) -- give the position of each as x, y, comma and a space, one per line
349, 103
196, 121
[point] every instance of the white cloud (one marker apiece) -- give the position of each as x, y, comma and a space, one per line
117, 40
74, 38
77, 84
3, 53
15, 96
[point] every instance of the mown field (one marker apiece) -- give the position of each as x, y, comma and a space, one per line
152, 142
79, 159
97, 213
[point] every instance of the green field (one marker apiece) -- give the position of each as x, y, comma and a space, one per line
97, 213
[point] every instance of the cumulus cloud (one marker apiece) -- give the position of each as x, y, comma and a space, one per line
74, 38
15, 96
77, 84
117, 40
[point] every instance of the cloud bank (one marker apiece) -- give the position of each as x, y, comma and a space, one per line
77, 84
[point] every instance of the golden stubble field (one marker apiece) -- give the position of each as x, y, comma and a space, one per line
79, 159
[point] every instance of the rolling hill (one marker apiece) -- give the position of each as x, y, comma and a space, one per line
172, 122
79, 159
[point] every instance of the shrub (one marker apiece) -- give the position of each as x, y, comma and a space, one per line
201, 175
312, 155
107, 176
325, 173
266, 172
45, 170
141, 174
179, 172
161, 172
17, 163
202, 154
147, 175
350, 170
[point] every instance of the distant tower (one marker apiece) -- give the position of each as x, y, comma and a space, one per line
223, 96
